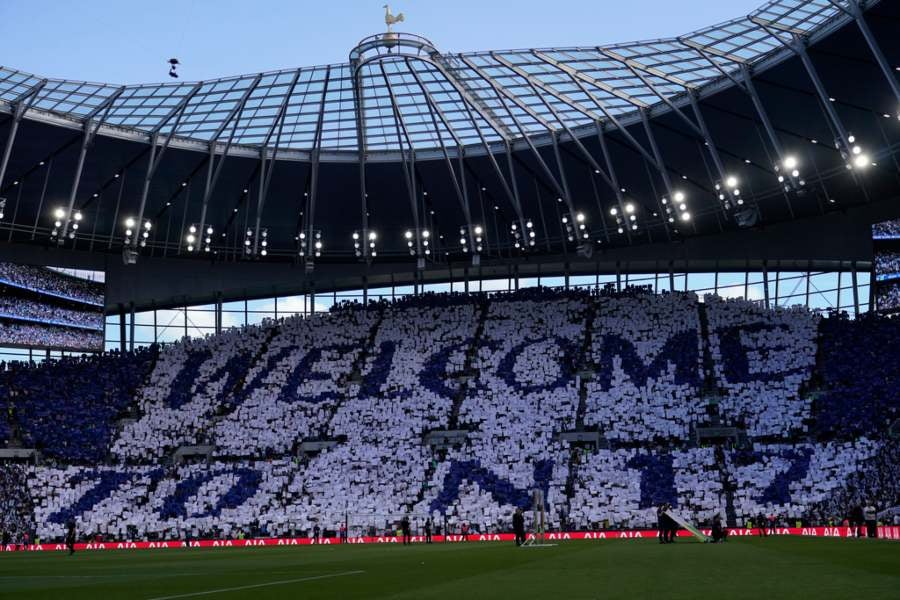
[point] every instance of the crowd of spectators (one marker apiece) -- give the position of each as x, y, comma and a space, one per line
876, 482
505, 369
15, 307
645, 349
291, 391
186, 390
624, 488
18, 333
762, 359
887, 265
887, 296
860, 374
789, 480
16, 512
68, 408
42, 279
886, 229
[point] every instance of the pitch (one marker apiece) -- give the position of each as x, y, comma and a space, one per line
743, 568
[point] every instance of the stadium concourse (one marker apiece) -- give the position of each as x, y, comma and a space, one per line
801, 404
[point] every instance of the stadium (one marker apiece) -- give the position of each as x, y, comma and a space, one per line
611, 320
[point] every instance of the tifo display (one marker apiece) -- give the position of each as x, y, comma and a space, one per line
448, 410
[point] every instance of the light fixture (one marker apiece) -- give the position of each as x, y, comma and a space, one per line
359, 238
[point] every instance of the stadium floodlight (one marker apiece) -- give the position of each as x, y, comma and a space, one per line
2, 207
861, 161
678, 208
129, 222
620, 222
59, 213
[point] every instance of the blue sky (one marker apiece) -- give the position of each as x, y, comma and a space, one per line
126, 41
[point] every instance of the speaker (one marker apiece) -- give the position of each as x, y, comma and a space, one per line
129, 256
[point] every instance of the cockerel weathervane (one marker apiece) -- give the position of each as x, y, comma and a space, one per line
390, 19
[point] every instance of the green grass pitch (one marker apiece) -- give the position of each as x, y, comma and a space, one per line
743, 568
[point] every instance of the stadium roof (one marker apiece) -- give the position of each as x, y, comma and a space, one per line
423, 99
541, 155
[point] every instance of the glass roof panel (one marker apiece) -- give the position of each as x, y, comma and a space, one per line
426, 99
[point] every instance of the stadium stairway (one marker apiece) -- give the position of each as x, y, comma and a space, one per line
586, 370
241, 381
355, 374
229, 395
467, 370
728, 486
586, 364
710, 386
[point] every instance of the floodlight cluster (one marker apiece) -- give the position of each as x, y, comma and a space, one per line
196, 239
365, 237
523, 240
418, 242
677, 207
629, 219
476, 235
578, 228
61, 219
310, 245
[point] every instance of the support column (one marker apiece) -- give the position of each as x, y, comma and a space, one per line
122, 330
131, 326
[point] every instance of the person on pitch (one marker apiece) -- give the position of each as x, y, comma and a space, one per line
316, 531
404, 527
518, 522
428, 526
70, 536
661, 523
719, 534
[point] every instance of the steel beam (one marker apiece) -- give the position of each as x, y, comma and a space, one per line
155, 158
309, 252
359, 106
90, 129
547, 172
20, 105
265, 171
485, 112
854, 9
213, 177
597, 83
573, 74
435, 112
612, 174
408, 166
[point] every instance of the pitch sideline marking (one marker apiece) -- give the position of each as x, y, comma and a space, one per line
257, 585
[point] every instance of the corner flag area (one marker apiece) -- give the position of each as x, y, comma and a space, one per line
775, 567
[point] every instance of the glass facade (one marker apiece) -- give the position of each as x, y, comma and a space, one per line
820, 291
